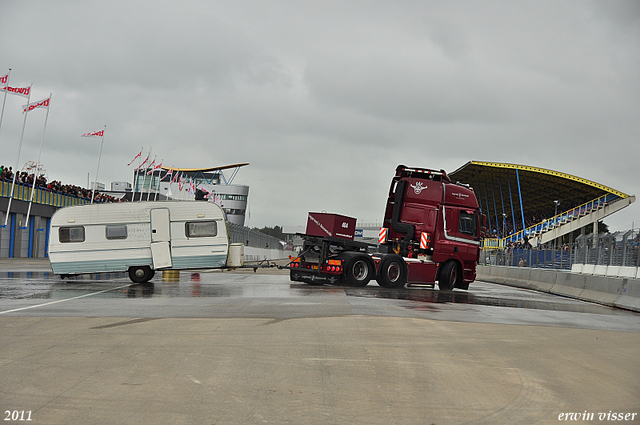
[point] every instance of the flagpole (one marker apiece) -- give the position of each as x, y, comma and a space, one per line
95, 183
155, 196
15, 172
33, 188
135, 170
150, 180
144, 175
6, 90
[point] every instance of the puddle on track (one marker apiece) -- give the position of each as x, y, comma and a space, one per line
46, 285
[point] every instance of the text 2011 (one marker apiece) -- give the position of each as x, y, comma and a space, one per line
17, 415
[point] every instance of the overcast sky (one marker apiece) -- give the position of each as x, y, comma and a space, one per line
325, 99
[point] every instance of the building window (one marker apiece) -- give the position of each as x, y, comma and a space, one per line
200, 229
71, 234
116, 232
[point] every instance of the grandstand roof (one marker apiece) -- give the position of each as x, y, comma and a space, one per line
492, 182
205, 170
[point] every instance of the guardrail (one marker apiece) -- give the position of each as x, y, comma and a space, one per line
43, 196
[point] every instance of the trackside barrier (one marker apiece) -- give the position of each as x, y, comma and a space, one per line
612, 291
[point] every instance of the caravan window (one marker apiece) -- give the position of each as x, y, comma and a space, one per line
116, 232
71, 234
199, 229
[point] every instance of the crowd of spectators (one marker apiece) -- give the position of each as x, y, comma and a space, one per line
23, 178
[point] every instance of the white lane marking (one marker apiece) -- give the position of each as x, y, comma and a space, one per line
60, 301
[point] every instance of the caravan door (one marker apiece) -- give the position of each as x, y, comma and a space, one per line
160, 238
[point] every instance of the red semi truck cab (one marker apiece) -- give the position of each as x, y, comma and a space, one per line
431, 233
434, 225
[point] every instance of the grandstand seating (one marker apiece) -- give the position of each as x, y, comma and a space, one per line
41, 196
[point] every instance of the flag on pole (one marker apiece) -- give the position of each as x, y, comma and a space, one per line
175, 178
20, 91
151, 164
4, 80
144, 162
168, 173
136, 157
157, 167
44, 103
99, 133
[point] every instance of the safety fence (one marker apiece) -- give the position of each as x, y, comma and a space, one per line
607, 254
254, 238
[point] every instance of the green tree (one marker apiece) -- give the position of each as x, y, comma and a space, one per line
272, 231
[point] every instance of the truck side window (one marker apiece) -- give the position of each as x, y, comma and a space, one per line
199, 229
468, 224
71, 234
116, 232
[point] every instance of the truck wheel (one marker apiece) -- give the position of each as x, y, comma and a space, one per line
448, 276
359, 270
141, 274
392, 272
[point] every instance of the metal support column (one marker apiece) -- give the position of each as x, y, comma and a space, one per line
524, 226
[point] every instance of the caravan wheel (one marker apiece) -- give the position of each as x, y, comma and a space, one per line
140, 274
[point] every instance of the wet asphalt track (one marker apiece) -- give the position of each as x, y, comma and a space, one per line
244, 347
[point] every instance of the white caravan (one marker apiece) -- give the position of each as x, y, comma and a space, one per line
141, 237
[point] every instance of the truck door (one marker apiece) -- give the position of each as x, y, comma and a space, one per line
160, 238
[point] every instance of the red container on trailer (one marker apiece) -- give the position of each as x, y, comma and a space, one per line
334, 225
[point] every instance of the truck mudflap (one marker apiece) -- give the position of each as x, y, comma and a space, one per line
313, 278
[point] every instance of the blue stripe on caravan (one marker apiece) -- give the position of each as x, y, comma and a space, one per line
121, 265
97, 266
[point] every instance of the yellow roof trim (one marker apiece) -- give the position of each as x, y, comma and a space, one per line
551, 173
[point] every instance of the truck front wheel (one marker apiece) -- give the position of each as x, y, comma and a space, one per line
141, 274
392, 272
449, 276
359, 270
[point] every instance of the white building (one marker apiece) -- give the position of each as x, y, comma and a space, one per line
187, 183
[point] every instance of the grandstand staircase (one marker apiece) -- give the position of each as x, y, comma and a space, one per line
574, 219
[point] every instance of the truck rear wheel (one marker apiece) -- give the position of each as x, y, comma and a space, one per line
392, 272
449, 276
359, 270
141, 274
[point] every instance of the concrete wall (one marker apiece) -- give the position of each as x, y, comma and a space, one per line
612, 291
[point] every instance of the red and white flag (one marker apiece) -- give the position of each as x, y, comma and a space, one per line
152, 163
40, 104
20, 91
157, 167
99, 133
4, 80
168, 173
144, 162
136, 157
